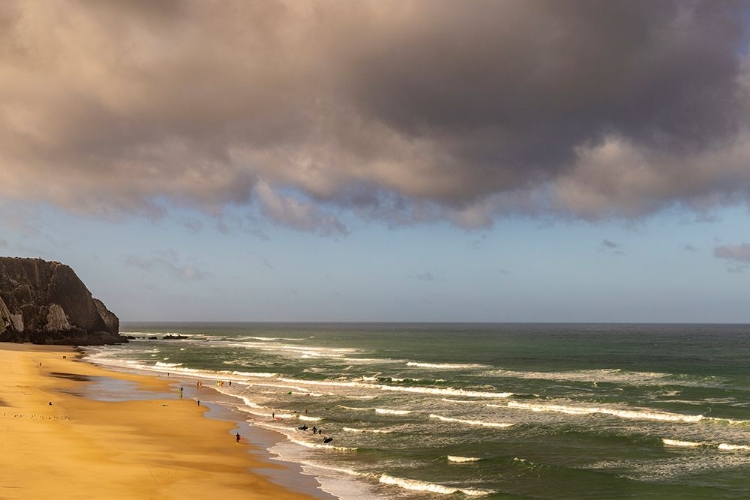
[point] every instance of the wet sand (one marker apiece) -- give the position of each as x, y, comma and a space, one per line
78, 447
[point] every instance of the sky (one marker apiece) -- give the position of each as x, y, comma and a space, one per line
489, 161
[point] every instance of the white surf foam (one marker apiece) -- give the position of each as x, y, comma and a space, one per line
321, 446
255, 374
310, 419
446, 366
414, 485
589, 410
733, 447
160, 364
447, 392
388, 411
462, 460
480, 423
684, 444
371, 431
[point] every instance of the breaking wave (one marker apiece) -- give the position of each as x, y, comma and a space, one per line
589, 410
414, 485
480, 423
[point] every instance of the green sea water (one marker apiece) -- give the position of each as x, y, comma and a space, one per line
495, 411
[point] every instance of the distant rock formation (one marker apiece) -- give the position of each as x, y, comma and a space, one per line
46, 303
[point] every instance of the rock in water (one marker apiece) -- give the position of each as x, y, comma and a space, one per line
46, 303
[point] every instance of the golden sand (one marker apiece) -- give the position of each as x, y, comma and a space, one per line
82, 448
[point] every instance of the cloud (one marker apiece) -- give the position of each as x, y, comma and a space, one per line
193, 225
733, 253
301, 215
428, 277
402, 112
166, 261
615, 248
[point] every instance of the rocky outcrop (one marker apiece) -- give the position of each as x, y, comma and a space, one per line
46, 303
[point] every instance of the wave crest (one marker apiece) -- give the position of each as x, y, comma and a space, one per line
414, 485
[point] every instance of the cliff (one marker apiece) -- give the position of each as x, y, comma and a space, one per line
46, 303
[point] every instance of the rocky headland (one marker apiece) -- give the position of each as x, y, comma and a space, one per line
46, 303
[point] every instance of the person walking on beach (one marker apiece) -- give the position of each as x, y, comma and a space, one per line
238, 438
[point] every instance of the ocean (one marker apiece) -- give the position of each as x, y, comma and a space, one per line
491, 411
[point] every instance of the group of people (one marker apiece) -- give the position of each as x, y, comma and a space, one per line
315, 430
238, 437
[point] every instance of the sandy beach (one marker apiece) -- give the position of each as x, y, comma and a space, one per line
56, 443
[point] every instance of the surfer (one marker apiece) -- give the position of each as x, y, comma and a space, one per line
327, 439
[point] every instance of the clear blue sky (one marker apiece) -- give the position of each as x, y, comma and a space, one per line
384, 161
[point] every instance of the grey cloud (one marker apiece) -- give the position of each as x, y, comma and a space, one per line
404, 112
613, 247
194, 225
166, 261
426, 277
735, 253
222, 227
610, 244
301, 215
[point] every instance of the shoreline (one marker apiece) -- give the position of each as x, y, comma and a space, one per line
58, 440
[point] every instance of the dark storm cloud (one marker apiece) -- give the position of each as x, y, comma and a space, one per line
406, 112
